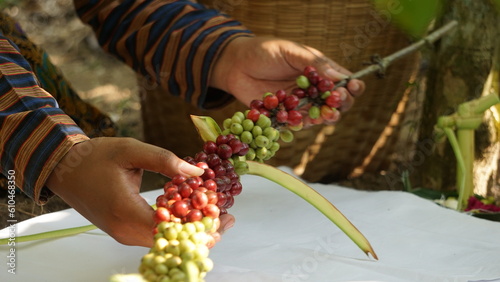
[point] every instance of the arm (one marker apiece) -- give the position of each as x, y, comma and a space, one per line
35, 134
171, 43
191, 51
45, 148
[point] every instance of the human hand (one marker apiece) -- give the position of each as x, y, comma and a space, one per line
222, 224
250, 66
101, 179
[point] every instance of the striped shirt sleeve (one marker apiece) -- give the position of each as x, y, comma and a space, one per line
173, 44
35, 133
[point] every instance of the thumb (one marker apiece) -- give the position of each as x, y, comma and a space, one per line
154, 158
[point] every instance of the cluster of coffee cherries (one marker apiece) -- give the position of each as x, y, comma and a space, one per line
256, 132
276, 115
313, 97
180, 252
189, 199
188, 203
187, 209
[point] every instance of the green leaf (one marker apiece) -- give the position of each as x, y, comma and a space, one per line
412, 17
59, 233
432, 194
207, 127
496, 3
314, 198
51, 234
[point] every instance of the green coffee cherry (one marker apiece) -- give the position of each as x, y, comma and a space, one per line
286, 135
256, 131
239, 115
261, 141
241, 168
251, 154
314, 112
227, 123
236, 128
261, 153
271, 133
325, 95
246, 137
247, 124
263, 121
303, 82
275, 147
160, 244
161, 269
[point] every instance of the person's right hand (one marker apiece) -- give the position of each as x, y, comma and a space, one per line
248, 67
101, 179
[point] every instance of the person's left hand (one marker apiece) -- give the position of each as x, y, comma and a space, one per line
222, 224
251, 66
101, 179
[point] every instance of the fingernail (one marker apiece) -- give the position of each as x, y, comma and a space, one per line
354, 87
335, 74
189, 169
228, 225
343, 95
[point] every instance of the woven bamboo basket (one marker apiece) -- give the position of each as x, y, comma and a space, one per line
349, 32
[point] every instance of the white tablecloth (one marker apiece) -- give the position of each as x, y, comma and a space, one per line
280, 237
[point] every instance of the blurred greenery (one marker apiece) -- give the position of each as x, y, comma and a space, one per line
413, 17
7, 3
496, 3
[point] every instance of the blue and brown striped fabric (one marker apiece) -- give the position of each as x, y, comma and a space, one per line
34, 132
173, 43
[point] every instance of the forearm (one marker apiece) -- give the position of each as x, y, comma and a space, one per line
35, 134
173, 44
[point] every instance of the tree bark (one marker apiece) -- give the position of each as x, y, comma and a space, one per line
459, 67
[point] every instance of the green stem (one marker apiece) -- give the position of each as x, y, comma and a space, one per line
55, 233
467, 119
50, 234
466, 142
478, 106
382, 64
460, 165
314, 198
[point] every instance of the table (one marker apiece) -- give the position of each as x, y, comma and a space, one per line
280, 237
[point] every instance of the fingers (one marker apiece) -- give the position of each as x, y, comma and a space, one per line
347, 99
222, 224
134, 224
326, 67
353, 89
153, 158
335, 72
356, 87
111, 200
226, 222
330, 69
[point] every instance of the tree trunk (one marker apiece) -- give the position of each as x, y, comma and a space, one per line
459, 67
